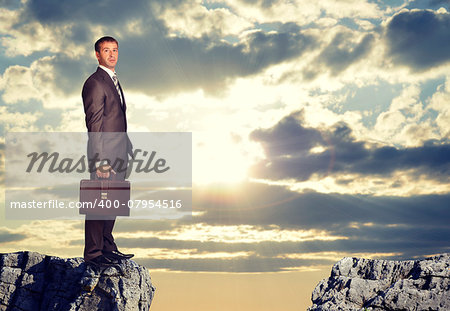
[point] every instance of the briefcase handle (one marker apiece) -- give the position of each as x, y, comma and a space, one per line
112, 176
104, 185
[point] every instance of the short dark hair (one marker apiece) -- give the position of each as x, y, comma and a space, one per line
104, 39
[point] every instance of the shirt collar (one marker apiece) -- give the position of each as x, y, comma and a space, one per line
109, 71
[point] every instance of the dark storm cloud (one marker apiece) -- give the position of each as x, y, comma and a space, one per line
338, 55
288, 147
419, 39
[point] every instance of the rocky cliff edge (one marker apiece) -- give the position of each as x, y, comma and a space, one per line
32, 281
364, 284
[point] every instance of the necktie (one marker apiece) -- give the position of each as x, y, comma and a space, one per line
116, 83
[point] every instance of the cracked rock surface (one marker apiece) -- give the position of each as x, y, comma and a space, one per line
364, 284
32, 281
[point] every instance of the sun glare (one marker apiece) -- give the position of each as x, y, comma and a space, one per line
217, 158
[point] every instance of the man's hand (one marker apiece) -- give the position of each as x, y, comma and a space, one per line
103, 171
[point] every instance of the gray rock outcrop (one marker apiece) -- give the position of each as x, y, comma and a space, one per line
31, 281
364, 284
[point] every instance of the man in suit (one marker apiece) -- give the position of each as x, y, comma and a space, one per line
104, 106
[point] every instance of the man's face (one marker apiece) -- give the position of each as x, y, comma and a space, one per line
109, 52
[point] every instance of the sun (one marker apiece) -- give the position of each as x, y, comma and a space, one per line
219, 158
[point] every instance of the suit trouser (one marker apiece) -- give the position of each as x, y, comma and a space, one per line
98, 237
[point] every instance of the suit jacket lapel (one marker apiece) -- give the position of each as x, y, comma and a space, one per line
111, 85
124, 106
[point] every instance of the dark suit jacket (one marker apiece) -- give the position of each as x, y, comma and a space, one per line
106, 122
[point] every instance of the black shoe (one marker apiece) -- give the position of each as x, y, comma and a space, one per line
102, 261
117, 255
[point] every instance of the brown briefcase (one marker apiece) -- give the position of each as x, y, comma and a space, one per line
105, 197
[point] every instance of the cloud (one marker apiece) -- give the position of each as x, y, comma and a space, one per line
264, 205
351, 236
161, 65
277, 257
67, 75
17, 84
407, 122
23, 34
419, 38
153, 60
288, 137
439, 2
168, 47
341, 53
439, 103
240, 221
352, 224
100, 12
302, 11
231, 227
273, 11
125, 225
246, 265
192, 19
8, 3
50, 80
294, 151
18, 122
407, 226
6, 236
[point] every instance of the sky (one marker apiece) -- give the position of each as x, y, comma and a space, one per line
320, 130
